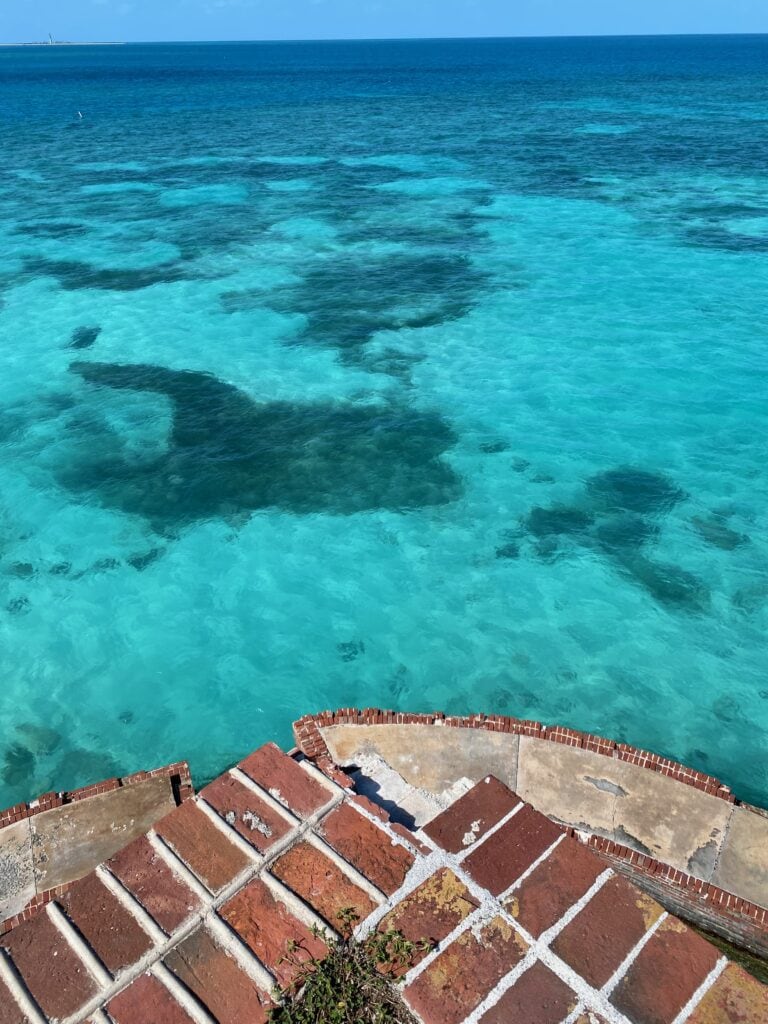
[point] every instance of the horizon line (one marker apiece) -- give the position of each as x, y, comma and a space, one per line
385, 39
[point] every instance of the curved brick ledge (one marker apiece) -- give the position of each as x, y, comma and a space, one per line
309, 738
738, 919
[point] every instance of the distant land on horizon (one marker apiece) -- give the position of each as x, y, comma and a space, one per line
374, 39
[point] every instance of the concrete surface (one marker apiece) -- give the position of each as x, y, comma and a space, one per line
17, 879
743, 863
699, 834
429, 757
67, 842
647, 812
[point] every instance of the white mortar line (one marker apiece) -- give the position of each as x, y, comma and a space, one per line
506, 983
576, 908
529, 870
351, 872
385, 827
131, 905
98, 1017
701, 991
19, 991
183, 997
491, 832
633, 954
313, 771
79, 946
477, 917
298, 908
265, 796
575, 1013
178, 867
539, 950
231, 833
235, 947
421, 870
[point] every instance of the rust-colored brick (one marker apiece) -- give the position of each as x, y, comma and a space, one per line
221, 986
472, 815
556, 884
367, 847
149, 879
462, 975
147, 1001
269, 928
602, 934
285, 780
505, 855
52, 971
112, 932
257, 822
203, 848
320, 883
537, 996
665, 975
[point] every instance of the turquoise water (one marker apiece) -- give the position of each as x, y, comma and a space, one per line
422, 375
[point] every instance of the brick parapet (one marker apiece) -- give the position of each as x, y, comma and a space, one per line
706, 905
307, 731
178, 774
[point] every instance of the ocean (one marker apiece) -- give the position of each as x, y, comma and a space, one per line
428, 375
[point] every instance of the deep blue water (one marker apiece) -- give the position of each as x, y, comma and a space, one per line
415, 374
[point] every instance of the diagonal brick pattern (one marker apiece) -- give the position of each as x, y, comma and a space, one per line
191, 923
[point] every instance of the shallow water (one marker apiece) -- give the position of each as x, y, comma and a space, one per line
424, 375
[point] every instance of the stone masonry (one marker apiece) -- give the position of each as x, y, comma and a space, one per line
190, 923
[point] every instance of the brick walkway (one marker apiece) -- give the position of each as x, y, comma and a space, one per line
189, 923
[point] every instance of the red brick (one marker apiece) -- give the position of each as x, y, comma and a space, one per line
321, 884
602, 934
432, 910
148, 878
463, 974
9, 1009
202, 846
504, 856
590, 1017
472, 815
735, 998
665, 975
112, 932
269, 928
537, 996
52, 971
367, 847
147, 1001
556, 884
217, 981
285, 780
257, 822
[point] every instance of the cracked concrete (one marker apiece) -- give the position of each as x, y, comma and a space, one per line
643, 810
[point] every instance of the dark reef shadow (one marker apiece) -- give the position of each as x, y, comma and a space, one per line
227, 454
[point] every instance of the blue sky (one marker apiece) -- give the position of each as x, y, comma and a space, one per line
131, 20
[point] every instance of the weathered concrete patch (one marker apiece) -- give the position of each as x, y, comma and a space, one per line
673, 822
429, 757
743, 864
17, 881
68, 842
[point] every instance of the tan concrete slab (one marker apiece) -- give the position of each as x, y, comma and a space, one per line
429, 757
68, 842
743, 864
661, 817
17, 878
